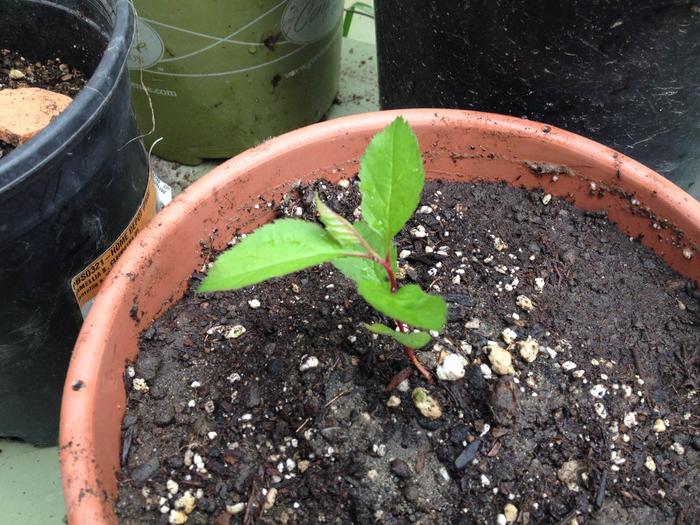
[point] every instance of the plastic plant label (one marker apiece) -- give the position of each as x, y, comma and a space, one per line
86, 284
164, 193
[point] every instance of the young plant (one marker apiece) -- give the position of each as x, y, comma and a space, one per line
391, 181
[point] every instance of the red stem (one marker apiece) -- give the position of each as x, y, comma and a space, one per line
401, 326
387, 266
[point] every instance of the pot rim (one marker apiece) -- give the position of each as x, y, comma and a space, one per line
87, 360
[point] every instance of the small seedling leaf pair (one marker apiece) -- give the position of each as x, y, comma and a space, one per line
391, 181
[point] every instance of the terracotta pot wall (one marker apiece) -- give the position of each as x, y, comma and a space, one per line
457, 145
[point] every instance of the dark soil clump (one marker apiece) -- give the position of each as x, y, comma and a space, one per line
268, 405
52, 74
5, 148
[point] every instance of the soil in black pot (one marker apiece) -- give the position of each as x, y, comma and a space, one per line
270, 404
17, 71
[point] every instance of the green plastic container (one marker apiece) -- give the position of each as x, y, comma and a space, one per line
224, 75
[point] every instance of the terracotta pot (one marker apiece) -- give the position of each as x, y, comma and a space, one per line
458, 145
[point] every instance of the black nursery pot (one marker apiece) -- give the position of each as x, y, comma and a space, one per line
65, 197
623, 72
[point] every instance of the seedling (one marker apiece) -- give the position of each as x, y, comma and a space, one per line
391, 181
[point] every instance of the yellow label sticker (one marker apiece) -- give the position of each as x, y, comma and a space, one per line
87, 283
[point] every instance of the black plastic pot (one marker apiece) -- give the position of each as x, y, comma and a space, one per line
65, 196
623, 72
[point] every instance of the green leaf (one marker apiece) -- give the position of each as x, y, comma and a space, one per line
411, 339
371, 236
340, 228
391, 180
376, 242
357, 269
409, 304
276, 249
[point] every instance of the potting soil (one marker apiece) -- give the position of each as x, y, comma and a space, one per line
270, 404
17, 71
